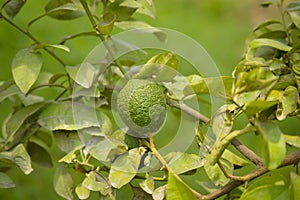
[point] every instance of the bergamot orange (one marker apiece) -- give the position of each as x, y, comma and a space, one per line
142, 106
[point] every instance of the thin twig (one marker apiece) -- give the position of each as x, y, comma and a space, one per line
240, 178
45, 85
188, 110
28, 34
69, 37
95, 26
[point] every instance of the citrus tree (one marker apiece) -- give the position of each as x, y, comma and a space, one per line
133, 125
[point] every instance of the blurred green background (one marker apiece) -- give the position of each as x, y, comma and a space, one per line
221, 27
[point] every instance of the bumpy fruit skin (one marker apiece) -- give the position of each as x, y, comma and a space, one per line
142, 106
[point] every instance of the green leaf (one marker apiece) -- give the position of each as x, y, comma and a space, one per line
69, 158
125, 167
161, 67
145, 7
176, 190
63, 183
106, 24
142, 27
26, 67
284, 81
100, 147
147, 185
289, 102
215, 86
60, 116
294, 187
139, 193
18, 118
45, 136
183, 162
95, 182
39, 152
258, 106
234, 159
54, 78
159, 193
274, 143
8, 89
30, 99
122, 12
82, 74
56, 46
215, 173
176, 89
267, 187
293, 6
63, 10
13, 7
82, 192
246, 97
295, 18
293, 140
67, 140
134, 54
273, 35
266, 24
269, 42
20, 157
5, 181
255, 79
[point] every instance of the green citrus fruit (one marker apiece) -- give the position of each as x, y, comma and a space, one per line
142, 106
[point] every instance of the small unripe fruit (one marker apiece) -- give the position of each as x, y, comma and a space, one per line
142, 106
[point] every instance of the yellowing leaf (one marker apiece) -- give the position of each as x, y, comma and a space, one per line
176, 190
125, 167
63, 183
26, 67
274, 149
83, 74
269, 42
82, 192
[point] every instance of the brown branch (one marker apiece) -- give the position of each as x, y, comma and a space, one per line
248, 153
290, 159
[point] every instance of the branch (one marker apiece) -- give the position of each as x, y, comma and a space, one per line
290, 159
95, 26
248, 153
28, 34
188, 110
69, 37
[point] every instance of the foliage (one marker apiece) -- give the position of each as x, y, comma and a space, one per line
263, 90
